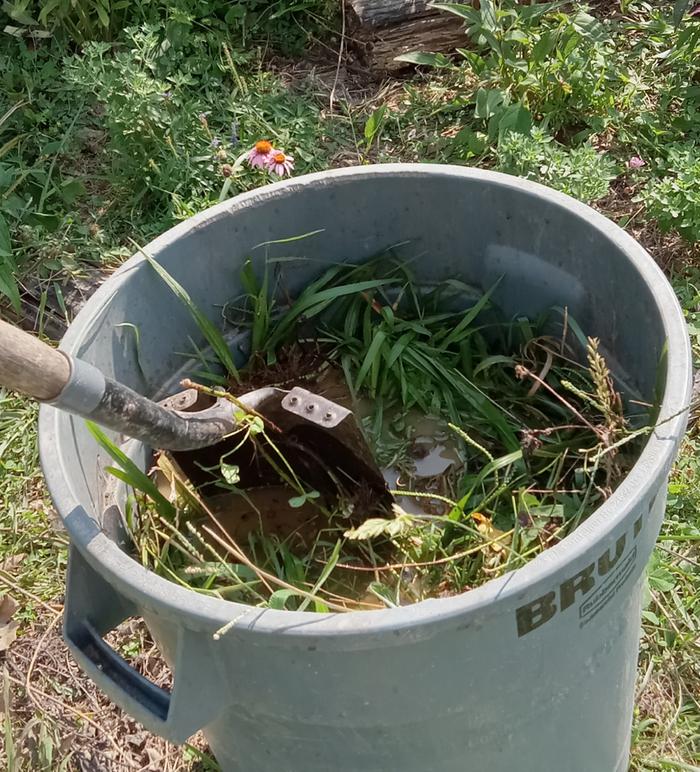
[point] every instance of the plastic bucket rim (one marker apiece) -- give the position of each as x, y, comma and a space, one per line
146, 588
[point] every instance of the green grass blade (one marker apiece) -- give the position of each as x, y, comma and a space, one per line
327, 569
132, 475
137, 343
398, 348
312, 303
258, 294
372, 356
212, 334
289, 240
496, 359
8, 285
278, 599
461, 329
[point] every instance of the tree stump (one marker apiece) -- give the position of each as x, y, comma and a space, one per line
381, 30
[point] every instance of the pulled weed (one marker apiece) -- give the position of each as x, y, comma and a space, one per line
523, 415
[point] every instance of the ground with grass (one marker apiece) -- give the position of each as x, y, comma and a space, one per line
115, 124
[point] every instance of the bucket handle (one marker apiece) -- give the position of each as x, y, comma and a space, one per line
111, 673
94, 608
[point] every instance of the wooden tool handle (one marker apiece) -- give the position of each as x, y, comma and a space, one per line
30, 366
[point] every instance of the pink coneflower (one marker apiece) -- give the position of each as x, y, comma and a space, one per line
280, 163
260, 154
636, 162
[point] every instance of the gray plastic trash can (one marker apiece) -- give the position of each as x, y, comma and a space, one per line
532, 672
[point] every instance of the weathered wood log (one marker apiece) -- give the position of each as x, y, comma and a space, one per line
379, 12
384, 29
381, 30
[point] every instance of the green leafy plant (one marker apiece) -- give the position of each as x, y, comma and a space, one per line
80, 20
179, 119
553, 62
8, 267
8, 182
577, 75
157, 143
581, 172
37, 190
374, 124
83, 21
673, 199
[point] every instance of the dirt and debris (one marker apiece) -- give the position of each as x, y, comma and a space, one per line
670, 251
63, 713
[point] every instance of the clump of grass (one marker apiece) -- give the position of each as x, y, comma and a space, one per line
527, 408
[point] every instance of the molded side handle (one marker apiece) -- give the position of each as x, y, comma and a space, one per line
111, 672
93, 608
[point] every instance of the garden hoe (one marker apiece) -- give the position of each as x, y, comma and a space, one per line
322, 434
